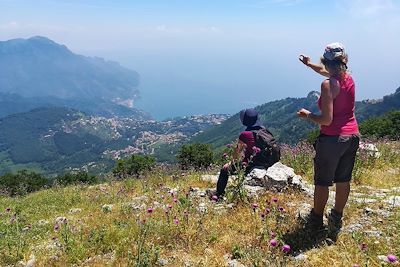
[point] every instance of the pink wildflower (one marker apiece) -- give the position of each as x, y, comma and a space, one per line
392, 258
286, 248
56, 228
273, 243
274, 199
150, 210
254, 206
229, 145
363, 247
176, 221
214, 198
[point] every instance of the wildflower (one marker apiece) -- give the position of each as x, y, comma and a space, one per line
8, 209
56, 228
225, 155
272, 234
254, 206
262, 215
274, 199
229, 145
363, 247
175, 200
244, 164
286, 248
176, 221
214, 198
273, 243
392, 258
281, 209
256, 150
150, 210
356, 265
267, 211
169, 206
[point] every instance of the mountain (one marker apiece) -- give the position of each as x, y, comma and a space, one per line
54, 139
280, 117
37, 71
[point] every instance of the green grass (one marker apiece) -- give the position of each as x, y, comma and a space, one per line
128, 235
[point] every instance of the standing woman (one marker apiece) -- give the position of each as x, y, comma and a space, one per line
338, 141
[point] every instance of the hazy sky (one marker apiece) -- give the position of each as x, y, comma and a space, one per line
219, 56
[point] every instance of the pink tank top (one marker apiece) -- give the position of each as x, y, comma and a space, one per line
344, 121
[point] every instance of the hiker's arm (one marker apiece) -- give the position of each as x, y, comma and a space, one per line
326, 116
318, 68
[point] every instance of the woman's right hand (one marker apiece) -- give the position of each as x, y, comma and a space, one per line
305, 59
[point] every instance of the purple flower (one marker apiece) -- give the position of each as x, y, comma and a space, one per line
175, 200
286, 248
274, 199
150, 210
214, 198
267, 211
256, 150
273, 243
176, 221
254, 206
8, 209
169, 206
281, 209
262, 215
391, 258
363, 247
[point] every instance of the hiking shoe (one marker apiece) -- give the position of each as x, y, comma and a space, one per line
312, 222
334, 224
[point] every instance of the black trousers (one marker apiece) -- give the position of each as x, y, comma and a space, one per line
224, 175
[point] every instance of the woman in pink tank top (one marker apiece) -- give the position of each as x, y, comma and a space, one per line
338, 142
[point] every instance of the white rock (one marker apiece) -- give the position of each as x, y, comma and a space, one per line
371, 149
393, 200
210, 178
31, 261
279, 176
42, 222
61, 219
382, 258
107, 207
202, 208
254, 191
75, 210
301, 257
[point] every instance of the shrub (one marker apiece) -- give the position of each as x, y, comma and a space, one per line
387, 125
76, 178
22, 182
195, 155
135, 165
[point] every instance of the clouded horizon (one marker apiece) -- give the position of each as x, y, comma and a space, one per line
219, 56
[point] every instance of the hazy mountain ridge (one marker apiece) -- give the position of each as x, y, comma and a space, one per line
280, 117
43, 72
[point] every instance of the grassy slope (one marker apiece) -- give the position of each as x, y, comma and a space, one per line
112, 238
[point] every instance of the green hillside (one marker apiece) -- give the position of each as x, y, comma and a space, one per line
280, 117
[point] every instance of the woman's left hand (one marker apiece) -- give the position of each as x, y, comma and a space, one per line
303, 113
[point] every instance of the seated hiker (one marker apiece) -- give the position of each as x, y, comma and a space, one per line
260, 149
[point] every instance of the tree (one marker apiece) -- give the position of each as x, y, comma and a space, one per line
135, 165
195, 155
387, 125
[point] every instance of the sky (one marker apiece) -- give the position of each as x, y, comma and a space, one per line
220, 56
